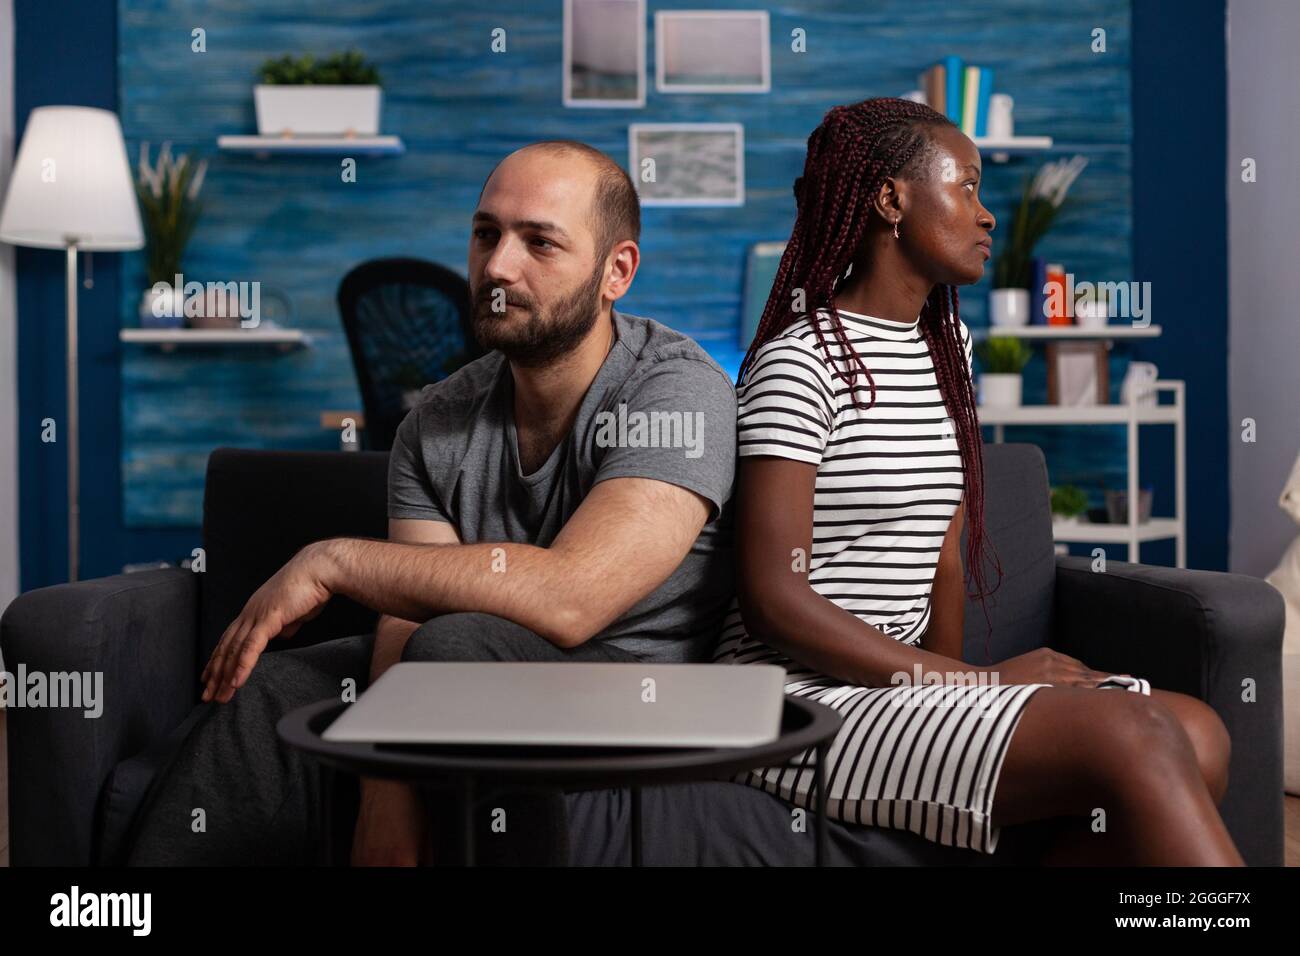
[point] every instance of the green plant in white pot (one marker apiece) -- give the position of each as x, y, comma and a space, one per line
1069, 502
1013, 273
168, 192
1002, 359
302, 96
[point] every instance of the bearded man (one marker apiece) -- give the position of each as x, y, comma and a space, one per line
518, 531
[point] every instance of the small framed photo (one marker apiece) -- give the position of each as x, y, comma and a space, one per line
712, 51
687, 164
604, 53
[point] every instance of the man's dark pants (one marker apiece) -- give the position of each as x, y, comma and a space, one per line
261, 800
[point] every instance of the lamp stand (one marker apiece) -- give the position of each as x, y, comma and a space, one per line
74, 501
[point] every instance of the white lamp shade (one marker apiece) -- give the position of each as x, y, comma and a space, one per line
72, 183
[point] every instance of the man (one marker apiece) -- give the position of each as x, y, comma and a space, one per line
565, 497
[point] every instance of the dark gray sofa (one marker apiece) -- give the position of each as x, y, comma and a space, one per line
74, 783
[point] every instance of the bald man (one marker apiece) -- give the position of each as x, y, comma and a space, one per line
564, 497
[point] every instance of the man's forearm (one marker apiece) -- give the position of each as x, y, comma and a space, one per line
520, 582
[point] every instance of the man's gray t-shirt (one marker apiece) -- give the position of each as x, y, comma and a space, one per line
658, 408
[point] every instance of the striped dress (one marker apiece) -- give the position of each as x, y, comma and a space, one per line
889, 480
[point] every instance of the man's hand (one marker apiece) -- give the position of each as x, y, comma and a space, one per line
294, 595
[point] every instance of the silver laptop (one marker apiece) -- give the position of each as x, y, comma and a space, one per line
572, 704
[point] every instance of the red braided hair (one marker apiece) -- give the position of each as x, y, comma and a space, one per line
850, 155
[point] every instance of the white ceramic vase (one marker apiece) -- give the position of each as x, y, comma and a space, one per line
1009, 308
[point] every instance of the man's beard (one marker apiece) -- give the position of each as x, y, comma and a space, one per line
544, 336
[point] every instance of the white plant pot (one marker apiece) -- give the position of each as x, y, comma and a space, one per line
1000, 390
1009, 307
309, 110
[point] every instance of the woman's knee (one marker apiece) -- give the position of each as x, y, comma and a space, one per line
1208, 736
1133, 743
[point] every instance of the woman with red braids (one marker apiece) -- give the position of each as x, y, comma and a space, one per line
860, 460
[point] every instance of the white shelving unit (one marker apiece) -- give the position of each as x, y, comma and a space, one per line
1131, 415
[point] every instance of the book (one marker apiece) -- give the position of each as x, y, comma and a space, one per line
934, 87
970, 100
1056, 307
982, 102
1037, 296
954, 81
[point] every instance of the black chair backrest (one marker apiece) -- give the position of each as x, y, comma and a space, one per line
406, 320
261, 507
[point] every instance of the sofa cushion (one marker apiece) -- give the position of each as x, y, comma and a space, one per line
720, 823
1018, 526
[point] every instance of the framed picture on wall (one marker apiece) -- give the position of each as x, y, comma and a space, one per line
604, 53
712, 51
687, 164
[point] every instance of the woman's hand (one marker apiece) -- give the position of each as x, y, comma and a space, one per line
1046, 666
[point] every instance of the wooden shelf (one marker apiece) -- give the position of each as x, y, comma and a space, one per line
319, 145
170, 339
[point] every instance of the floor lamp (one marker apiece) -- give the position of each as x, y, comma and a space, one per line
71, 189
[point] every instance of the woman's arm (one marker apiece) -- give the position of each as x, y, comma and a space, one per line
774, 537
948, 595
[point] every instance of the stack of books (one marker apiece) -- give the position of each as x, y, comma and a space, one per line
959, 92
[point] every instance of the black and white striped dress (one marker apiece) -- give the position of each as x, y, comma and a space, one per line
889, 480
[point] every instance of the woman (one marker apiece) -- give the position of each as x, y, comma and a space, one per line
860, 461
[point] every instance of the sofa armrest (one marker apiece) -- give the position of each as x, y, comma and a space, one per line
1209, 634
136, 636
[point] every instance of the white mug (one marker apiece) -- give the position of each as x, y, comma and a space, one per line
1138, 380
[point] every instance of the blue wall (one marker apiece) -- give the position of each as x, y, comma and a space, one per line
291, 223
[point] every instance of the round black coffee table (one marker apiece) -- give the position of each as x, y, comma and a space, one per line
805, 725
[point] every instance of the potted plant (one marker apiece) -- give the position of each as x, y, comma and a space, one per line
1040, 201
169, 208
1002, 358
303, 96
1068, 503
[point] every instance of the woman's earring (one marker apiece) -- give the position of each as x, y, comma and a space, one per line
895, 228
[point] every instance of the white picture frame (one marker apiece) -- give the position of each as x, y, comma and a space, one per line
713, 51
604, 54
695, 164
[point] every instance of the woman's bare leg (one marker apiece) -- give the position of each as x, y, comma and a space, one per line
1075, 843
1077, 750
